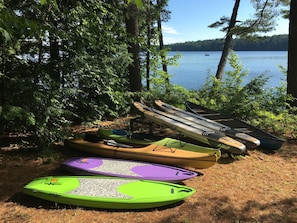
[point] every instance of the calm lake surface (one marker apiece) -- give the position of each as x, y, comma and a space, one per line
194, 67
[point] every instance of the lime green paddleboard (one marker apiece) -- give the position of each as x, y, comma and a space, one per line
107, 192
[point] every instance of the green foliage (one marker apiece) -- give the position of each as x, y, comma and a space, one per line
63, 63
12, 114
160, 87
139, 3
252, 102
263, 20
229, 95
177, 98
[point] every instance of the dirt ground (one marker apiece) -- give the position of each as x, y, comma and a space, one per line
258, 187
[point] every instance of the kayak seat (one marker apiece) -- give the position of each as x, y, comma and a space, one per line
92, 138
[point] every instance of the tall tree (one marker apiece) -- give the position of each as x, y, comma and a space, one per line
132, 26
160, 5
149, 22
263, 21
151, 30
292, 53
228, 42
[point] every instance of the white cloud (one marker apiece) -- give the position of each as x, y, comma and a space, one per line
170, 40
169, 30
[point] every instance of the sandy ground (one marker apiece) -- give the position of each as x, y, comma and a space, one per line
258, 187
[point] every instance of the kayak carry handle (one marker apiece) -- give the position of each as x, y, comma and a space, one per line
172, 150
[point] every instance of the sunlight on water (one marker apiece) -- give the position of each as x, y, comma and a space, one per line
194, 67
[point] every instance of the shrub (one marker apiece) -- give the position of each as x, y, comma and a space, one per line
252, 102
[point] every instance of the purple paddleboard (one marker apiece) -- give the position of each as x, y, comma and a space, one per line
126, 168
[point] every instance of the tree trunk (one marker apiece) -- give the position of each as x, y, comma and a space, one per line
228, 42
133, 47
54, 61
292, 53
161, 43
148, 43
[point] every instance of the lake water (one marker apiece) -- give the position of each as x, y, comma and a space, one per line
194, 67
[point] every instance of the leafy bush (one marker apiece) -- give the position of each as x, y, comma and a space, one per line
70, 69
252, 102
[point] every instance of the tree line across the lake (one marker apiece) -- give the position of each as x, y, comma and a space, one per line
272, 43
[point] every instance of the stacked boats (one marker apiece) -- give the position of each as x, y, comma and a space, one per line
136, 171
267, 141
210, 127
167, 151
107, 183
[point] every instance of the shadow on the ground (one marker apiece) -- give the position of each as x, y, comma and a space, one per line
34, 202
222, 210
220, 207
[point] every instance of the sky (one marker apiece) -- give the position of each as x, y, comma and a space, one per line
189, 19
